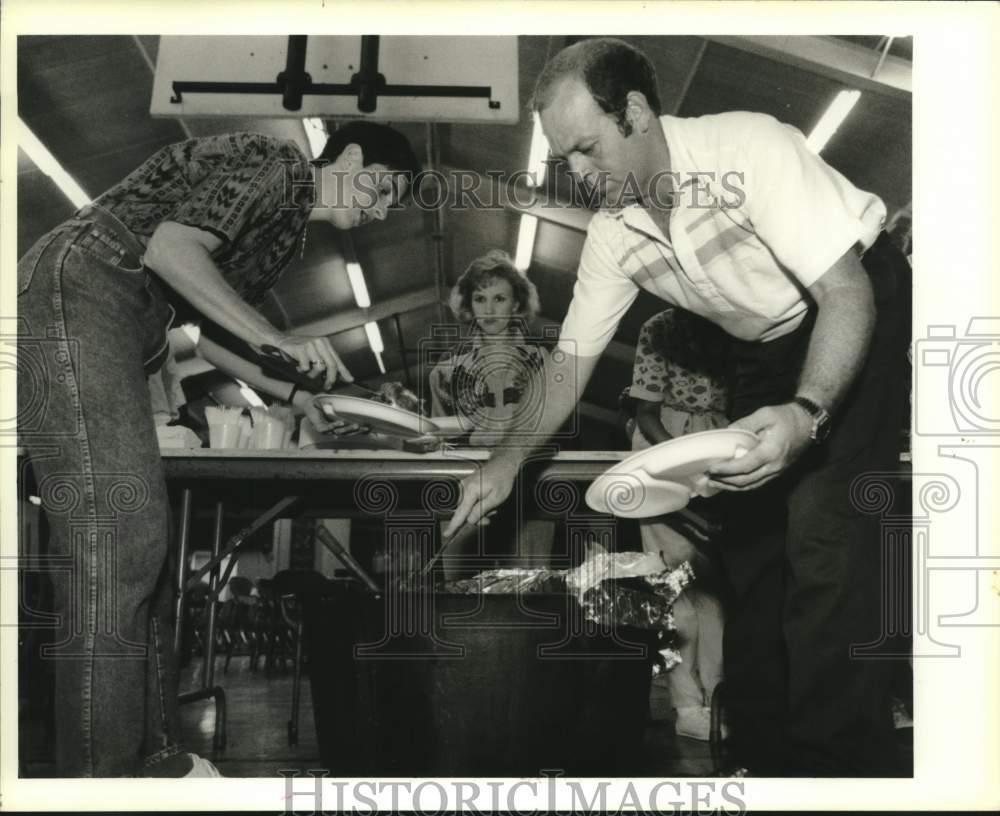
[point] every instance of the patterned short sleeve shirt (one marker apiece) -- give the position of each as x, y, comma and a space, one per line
488, 384
252, 191
657, 378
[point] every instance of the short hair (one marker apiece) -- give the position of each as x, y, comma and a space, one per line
495, 264
609, 68
380, 144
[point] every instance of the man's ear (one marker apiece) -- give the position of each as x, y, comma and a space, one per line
637, 112
351, 158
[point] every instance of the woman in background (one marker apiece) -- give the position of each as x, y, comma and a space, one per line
677, 385
487, 382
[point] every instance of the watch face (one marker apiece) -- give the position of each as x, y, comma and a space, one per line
820, 417
821, 429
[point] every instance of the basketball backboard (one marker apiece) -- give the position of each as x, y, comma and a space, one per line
427, 78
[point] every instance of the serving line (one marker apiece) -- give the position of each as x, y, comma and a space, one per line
337, 465
296, 481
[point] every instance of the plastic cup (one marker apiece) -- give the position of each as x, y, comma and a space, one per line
224, 434
269, 434
223, 426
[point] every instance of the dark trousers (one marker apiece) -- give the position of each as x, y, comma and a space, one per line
804, 563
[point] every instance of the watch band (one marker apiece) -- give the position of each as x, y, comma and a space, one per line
820, 418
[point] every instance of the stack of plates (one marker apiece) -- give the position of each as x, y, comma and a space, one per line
388, 419
663, 479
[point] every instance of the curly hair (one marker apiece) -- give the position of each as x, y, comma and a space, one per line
609, 68
691, 342
494, 265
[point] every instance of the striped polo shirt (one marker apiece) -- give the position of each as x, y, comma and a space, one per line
757, 219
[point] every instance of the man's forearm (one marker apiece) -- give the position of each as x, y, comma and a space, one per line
563, 379
189, 268
839, 343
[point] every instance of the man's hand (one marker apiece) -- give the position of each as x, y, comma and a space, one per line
784, 432
482, 492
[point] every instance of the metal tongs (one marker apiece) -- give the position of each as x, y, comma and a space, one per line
275, 360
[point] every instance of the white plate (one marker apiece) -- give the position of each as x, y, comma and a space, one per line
663, 478
449, 426
636, 495
378, 416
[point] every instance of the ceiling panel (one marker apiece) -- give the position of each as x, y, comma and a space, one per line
501, 147
675, 58
729, 80
396, 255
38, 196
473, 232
86, 99
900, 47
873, 147
317, 284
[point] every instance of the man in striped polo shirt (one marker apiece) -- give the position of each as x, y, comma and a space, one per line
733, 218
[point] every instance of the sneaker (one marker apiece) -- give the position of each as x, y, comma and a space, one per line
900, 716
201, 768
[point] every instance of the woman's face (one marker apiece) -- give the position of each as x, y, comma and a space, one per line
493, 305
353, 194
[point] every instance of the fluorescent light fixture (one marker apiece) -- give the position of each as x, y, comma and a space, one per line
317, 135
525, 242
537, 155
47, 163
375, 341
250, 395
374, 337
834, 117
358, 285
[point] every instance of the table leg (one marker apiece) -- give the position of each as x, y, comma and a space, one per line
208, 673
183, 550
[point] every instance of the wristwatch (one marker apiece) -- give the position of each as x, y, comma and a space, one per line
820, 418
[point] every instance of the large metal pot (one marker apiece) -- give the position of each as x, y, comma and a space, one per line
474, 685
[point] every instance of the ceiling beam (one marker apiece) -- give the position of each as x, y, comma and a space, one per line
565, 215
843, 61
558, 212
354, 318
695, 65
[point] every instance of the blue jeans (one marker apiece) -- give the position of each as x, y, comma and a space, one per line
92, 324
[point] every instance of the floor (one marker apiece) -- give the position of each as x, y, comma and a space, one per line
258, 713
259, 705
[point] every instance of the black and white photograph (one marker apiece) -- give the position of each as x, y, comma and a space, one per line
501, 403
